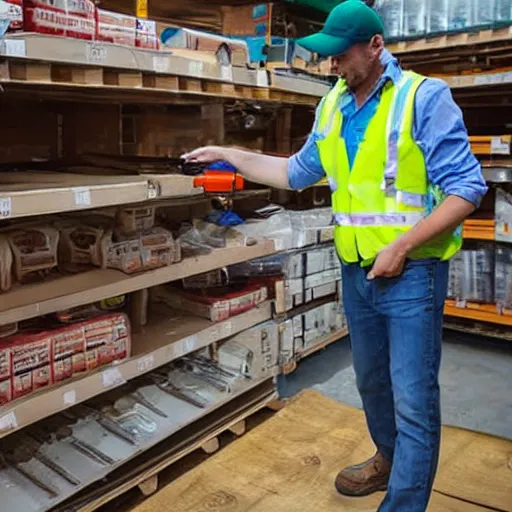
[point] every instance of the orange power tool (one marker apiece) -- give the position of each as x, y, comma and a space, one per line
219, 182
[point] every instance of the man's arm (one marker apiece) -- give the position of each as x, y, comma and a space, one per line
258, 168
441, 134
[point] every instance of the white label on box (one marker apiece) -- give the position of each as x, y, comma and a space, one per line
8, 422
460, 303
226, 73
15, 48
5, 207
161, 64
195, 68
82, 196
145, 364
190, 344
261, 78
70, 397
112, 377
499, 146
96, 53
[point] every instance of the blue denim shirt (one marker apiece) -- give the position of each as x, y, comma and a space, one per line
439, 131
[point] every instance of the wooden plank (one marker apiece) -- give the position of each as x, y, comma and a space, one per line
290, 463
170, 336
479, 312
65, 292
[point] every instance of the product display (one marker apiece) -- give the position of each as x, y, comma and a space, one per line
216, 304
503, 281
30, 361
114, 27
80, 247
6, 261
146, 35
34, 250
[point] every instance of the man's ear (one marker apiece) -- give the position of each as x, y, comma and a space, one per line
377, 42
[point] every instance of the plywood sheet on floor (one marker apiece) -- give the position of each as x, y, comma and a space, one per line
289, 464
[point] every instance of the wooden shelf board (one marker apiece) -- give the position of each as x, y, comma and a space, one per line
170, 336
479, 312
29, 301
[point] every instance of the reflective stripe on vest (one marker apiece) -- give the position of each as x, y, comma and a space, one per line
377, 219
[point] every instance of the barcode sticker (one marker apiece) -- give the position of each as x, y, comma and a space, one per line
112, 377
226, 73
161, 64
15, 48
145, 364
96, 53
5, 207
8, 422
190, 344
70, 397
82, 196
262, 78
500, 146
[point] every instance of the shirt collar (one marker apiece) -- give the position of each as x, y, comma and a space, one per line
392, 70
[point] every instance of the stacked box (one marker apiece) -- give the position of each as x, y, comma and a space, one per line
503, 278
114, 27
146, 35
252, 353
30, 361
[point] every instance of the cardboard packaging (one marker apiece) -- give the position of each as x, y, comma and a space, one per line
114, 27
146, 35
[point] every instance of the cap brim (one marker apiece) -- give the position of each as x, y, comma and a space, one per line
325, 45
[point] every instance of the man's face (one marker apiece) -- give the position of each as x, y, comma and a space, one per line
357, 63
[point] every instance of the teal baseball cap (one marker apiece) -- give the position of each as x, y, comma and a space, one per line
349, 23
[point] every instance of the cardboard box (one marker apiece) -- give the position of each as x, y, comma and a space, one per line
253, 353
114, 27
146, 35
217, 304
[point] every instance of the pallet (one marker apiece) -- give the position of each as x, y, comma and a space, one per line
144, 474
322, 344
495, 332
488, 313
445, 42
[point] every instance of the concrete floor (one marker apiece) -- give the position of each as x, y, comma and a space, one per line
476, 381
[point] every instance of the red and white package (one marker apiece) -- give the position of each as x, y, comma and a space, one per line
81, 19
14, 10
5, 361
113, 27
45, 16
5, 391
146, 36
68, 352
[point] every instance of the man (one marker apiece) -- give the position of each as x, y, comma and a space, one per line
396, 153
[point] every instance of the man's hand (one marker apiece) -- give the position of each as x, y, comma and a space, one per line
206, 154
390, 262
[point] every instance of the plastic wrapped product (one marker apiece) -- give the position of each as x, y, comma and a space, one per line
6, 261
392, 14
437, 16
503, 282
484, 12
114, 27
478, 277
80, 246
146, 35
504, 11
415, 18
460, 14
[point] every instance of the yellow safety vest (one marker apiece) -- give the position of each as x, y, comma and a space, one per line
385, 193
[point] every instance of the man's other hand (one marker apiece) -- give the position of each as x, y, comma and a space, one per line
207, 154
390, 262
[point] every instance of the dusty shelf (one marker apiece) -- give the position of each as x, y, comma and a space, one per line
63, 292
165, 339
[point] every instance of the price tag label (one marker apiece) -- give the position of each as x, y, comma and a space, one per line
261, 78
195, 68
82, 197
226, 73
96, 53
161, 64
112, 377
8, 422
5, 207
500, 146
15, 47
145, 364
69, 397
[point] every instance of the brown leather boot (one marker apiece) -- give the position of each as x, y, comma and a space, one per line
366, 478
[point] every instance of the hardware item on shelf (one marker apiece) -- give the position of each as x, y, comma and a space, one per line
477, 279
208, 370
146, 34
503, 213
6, 262
216, 304
134, 422
32, 360
81, 313
80, 247
211, 279
148, 251
142, 400
131, 221
188, 395
503, 279
34, 250
114, 27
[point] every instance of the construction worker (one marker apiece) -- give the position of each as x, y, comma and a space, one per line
396, 153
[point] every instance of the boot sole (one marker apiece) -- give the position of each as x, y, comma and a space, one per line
362, 492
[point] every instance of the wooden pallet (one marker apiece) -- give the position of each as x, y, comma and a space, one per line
447, 42
488, 313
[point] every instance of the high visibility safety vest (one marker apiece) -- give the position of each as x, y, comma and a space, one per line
385, 193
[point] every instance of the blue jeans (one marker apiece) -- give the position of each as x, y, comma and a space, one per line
395, 331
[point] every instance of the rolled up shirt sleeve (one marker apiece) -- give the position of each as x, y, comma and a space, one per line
440, 132
304, 167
